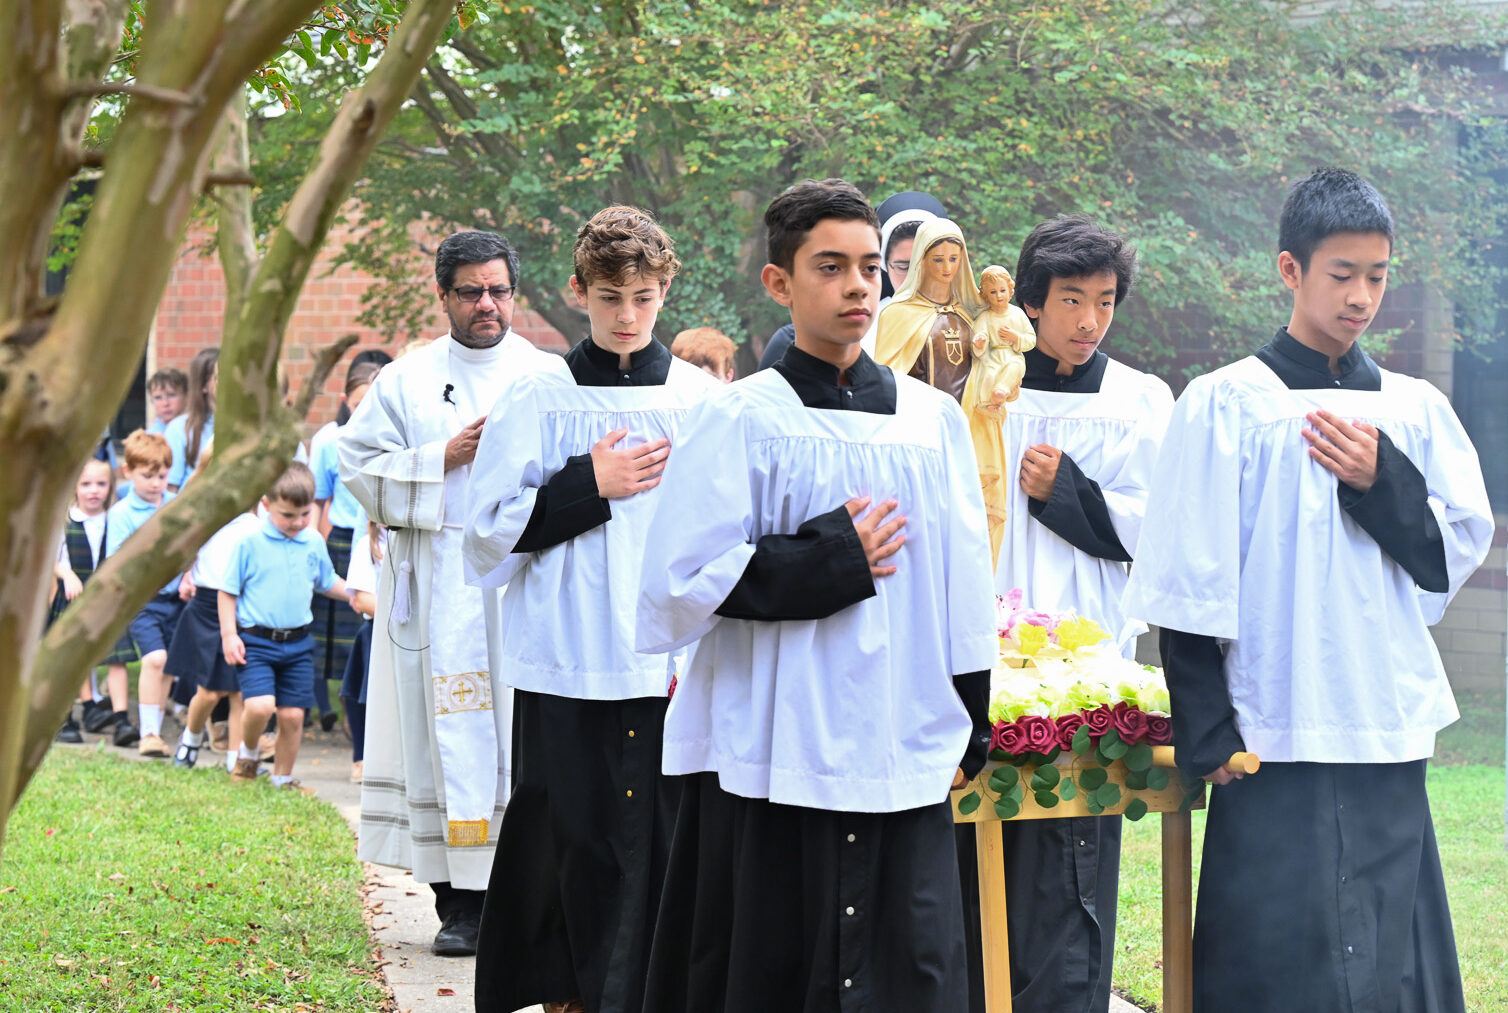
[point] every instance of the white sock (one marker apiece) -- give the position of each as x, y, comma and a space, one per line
193, 739
151, 718
247, 754
230, 761
281, 779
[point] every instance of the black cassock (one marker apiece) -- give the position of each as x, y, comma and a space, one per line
1345, 909
581, 851
1061, 876
772, 908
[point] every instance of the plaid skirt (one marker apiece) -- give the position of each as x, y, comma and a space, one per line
123, 653
336, 623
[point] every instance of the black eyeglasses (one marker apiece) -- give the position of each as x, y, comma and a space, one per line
472, 294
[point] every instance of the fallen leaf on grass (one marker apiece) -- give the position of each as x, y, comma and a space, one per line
7, 889
222, 939
51, 830
154, 982
445, 991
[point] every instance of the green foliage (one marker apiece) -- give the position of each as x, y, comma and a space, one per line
969, 803
1177, 123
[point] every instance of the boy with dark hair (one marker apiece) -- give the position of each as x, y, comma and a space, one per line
1082, 438
266, 623
166, 389
558, 502
148, 460
1311, 516
843, 671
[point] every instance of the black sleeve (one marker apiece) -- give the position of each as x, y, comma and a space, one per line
818, 571
567, 505
1075, 511
1204, 722
1396, 513
974, 690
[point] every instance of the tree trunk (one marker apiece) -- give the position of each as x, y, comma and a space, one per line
61, 379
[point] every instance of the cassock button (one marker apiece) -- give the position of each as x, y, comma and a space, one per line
630, 733
848, 983
1349, 950
850, 910
849, 393
1081, 844
630, 793
851, 838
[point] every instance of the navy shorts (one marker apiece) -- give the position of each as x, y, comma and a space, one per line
283, 671
152, 629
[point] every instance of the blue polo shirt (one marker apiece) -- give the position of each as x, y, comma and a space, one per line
345, 512
129, 513
176, 433
274, 576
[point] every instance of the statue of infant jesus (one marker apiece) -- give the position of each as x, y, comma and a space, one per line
1002, 333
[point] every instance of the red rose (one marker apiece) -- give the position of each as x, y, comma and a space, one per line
1012, 738
1159, 729
1068, 724
1130, 723
1100, 720
1040, 734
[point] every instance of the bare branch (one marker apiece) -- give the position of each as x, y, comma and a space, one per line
324, 363
138, 90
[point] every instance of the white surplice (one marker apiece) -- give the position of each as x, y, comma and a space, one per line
586, 587
856, 712
438, 718
1328, 653
1112, 435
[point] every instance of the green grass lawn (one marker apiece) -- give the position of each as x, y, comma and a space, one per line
130, 886
1466, 788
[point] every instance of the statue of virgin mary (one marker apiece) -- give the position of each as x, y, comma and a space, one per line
925, 332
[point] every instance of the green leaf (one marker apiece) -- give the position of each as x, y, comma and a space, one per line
1094, 807
1136, 780
1139, 757
1045, 778
1082, 742
1015, 794
1003, 779
1112, 747
1046, 799
1091, 778
1067, 789
1007, 808
1157, 778
1136, 810
1107, 794
969, 803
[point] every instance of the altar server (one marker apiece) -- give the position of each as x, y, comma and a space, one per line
438, 716
562, 492
822, 531
1082, 439
1311, 515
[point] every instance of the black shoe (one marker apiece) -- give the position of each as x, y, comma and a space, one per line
186, 756
70, 732
327, 720
98, 719
458, 936
125, 732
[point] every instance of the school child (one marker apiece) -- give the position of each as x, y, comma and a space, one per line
821, 529
560, 494
148, 461
361, 581
167, 389
190, 432
195, 656
1311, 515
79, 555
336, 624
1082, 438
708, 349
265, 621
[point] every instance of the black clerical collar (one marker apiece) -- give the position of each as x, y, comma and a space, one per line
1042, 373
1303, 368
820, 384
594, 366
